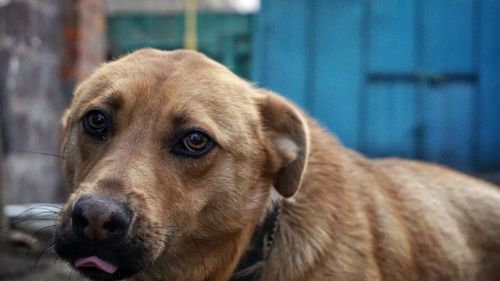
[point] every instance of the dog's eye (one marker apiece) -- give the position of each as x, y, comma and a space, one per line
95, 123
194, 143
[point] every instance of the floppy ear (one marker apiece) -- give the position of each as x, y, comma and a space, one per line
287, 141
64, 119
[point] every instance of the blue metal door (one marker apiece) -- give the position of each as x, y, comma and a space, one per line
417, 79
421, 86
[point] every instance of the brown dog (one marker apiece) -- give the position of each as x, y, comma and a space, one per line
183, 171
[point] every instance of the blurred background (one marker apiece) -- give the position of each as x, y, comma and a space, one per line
415, 78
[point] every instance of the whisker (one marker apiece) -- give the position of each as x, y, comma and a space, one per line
242, 196
40, 231
50, 227
163, 234
38, 216
199, 253
34, 217
79, 276
70, 273
45, 205
45, 210
46, 249
20, 222
36, 213
164, 227
41, 153
36, 208
155, 239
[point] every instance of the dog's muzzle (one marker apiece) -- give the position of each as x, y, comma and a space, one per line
95, 239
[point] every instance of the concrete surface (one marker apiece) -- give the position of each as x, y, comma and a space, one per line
23, 258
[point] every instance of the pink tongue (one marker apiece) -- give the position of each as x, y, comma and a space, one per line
94, 261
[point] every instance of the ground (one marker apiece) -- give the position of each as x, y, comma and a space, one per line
22, 258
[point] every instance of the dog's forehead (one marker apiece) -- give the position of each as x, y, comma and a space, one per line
179, 85
163, 76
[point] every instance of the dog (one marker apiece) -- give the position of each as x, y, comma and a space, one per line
181, 170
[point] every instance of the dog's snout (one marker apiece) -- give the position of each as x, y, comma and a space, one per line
99, 218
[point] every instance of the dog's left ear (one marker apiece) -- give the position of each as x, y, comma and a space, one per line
287, 141
65, 119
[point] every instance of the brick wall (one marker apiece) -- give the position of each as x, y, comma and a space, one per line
40, 62
84, 40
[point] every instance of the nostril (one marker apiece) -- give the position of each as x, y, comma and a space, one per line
111, 226
80, 221
116, 224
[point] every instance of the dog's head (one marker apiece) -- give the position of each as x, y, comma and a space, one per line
166, 151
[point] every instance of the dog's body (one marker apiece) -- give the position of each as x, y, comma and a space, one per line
343, 217
390, 219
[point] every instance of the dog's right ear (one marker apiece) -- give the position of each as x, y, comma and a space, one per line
287, 141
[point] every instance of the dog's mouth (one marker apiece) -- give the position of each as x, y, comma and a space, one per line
110, 263
97, 263
99, 239
104, 262
98, 268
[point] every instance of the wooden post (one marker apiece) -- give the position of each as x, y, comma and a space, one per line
3, 220
190, 33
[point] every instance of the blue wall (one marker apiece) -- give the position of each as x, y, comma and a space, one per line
418, 79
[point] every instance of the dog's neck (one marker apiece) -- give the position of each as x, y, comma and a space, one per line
312, 220
223, 259
250, 265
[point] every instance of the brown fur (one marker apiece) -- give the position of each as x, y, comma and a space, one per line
344, 217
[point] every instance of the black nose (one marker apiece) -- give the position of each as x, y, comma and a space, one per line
101, 218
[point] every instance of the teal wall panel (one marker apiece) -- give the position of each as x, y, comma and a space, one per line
224, 37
